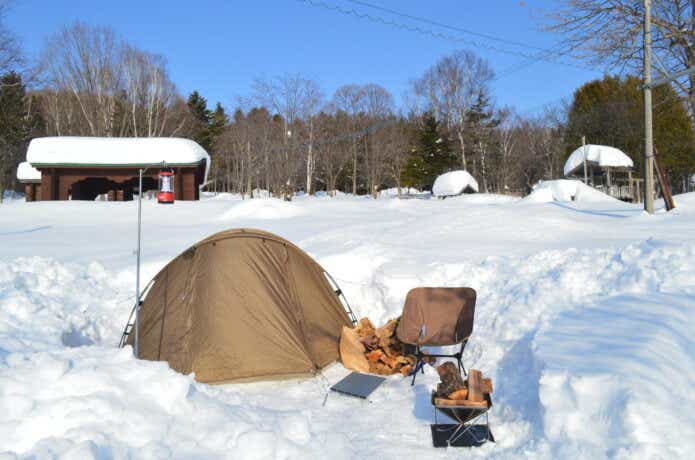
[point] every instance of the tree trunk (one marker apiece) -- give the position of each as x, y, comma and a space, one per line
463, 148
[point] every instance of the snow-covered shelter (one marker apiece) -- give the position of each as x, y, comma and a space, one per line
454, 183
606, 168
30, 177
82, 168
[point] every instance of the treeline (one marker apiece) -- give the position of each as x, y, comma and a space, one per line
289, 136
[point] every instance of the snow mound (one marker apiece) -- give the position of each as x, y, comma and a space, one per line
46, 304
610, 375
26, 172
486, 198
602, 155
98, 403
565, 190
393, 192
454, 183
267, 209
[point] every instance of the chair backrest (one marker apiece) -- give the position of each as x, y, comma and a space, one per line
437, 316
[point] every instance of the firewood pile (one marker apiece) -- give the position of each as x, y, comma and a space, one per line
366, 348
453, 390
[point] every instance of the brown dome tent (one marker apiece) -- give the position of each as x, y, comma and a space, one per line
241, 305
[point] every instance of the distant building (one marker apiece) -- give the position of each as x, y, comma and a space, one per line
30, 177
454, 183
605, 168
83, 168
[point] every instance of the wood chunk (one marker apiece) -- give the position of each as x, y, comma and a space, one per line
460, 403
374, 355
371, 342
487, 385
475, 387
450, 379
459, 394
406, 370
375, 350
387, 331
365, 328
390, 362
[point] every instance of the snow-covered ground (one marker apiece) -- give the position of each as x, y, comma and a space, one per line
585, 320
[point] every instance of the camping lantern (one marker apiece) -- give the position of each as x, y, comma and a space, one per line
166, 186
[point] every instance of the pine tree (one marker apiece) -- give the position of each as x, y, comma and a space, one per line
16, 125
610, 112
432, 157
218, 121
198, 107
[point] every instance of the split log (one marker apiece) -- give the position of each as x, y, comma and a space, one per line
459, 394
475, 385
487, 386
382, 352
374, 355
460, 403
365, 328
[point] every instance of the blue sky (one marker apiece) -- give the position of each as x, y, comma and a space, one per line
219, 47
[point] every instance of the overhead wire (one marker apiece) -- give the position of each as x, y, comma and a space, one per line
543, 55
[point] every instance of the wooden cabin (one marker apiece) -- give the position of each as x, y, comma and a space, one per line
84, 168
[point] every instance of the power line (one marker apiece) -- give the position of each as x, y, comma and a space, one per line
445, 26
542, 56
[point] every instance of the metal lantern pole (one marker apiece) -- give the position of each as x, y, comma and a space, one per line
137, 270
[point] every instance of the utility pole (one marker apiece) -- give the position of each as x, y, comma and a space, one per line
586, 179
648, 159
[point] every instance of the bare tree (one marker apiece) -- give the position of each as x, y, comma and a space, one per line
86, 62
296, 99
350, 100
149, 92
449, 89
610, 32
10, 52
378, 106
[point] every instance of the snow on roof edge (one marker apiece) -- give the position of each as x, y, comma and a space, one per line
116, 151
27, 173
604, 155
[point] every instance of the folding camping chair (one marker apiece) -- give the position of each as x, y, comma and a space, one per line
434, 317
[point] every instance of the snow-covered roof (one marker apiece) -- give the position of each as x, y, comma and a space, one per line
27, 173
564, 190
603, 155
115, 151
454, 183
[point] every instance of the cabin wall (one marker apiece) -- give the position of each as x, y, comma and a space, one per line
117, 183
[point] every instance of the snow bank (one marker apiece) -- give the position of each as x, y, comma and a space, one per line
262, 208
617, 378
26, 172
116, 151
570, 301
565, 190
98, 402
602, 155
454, 183
45, 305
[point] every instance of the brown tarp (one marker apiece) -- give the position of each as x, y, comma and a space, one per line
241, 305
437, 316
